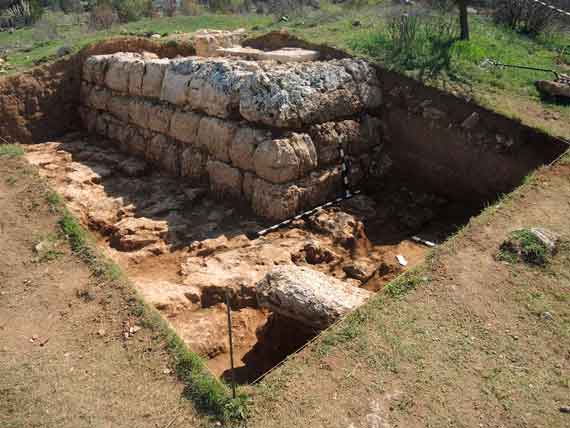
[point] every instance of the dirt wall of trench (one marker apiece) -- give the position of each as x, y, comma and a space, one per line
43, 103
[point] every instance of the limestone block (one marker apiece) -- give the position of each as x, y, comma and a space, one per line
299, 94
184, 126
153, 77
245, 143
279, 161
175, 86
207, 41
308, 296
119, 107
290, 55
248, 185
163, 152
193, 163
224, 180
117, 76
216, 135
94, 69
136, 70
98, 98
139, 112
275, 201
159, 117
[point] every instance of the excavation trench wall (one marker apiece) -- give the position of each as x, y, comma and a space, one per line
454, 147
43, 103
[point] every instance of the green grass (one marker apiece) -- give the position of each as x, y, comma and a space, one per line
525, 246
11, 150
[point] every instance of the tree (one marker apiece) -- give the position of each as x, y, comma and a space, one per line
463, 19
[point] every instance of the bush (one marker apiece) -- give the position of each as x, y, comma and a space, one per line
102, 17
525, 16
133, 10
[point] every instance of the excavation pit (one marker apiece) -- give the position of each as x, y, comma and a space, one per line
170, 177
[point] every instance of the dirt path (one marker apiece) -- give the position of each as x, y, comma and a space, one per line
479, 343
64, 360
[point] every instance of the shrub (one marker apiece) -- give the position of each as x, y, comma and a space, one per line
525, 16
102, 17
133, 10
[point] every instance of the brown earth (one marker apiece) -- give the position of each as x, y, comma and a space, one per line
478, 343
64, 360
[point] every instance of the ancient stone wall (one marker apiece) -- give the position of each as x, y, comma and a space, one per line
257, 131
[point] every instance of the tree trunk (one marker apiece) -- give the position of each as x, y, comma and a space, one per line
308, 296
463, 19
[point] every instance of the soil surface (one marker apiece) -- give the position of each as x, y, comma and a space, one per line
64, 360
184, 250
478, 343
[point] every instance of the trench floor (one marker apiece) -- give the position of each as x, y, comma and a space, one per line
183, 250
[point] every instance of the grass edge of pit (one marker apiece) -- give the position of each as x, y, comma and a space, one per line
210, 396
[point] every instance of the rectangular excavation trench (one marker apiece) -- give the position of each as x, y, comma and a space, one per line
174, 213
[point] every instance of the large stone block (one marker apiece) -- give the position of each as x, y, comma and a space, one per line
275, 201
207, 41
245, 143
119, 107
139, 112
153, 77
159, 117
225, 180
117, 76
193, 163
98, 98
184, 126
164, 153
136, 70
216, 136
286, 159
175, 86
94, 69
300, 94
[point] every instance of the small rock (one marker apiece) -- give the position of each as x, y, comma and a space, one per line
167, 371
359, 270
315, 254
471, 121
126, 334
155, 36
35, 337
101, 332
62, 51
547, 316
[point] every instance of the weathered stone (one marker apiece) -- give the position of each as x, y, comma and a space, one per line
159, 117
163, 152
193, 163
118, 67
89, 118
248, 185
216, 136
206, 42
344, 228
101, 124
120, 107
295, 95
98, 98
175, 86
184, 126
133, 234
275, 201
94, 69
284, 55
167, 296
308, 296
153, 77
287, 159
136, 70
225, 180
245, 143
134, 141
360, 270
315, 254
139, 112
553, 88
471, 121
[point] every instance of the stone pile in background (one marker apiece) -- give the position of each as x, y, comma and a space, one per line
263, 132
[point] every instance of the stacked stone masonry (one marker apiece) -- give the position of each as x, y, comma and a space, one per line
257, 131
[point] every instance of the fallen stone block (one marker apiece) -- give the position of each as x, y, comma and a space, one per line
308, 296
206, 42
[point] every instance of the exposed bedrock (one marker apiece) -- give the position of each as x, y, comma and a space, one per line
308, 296
259, 132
